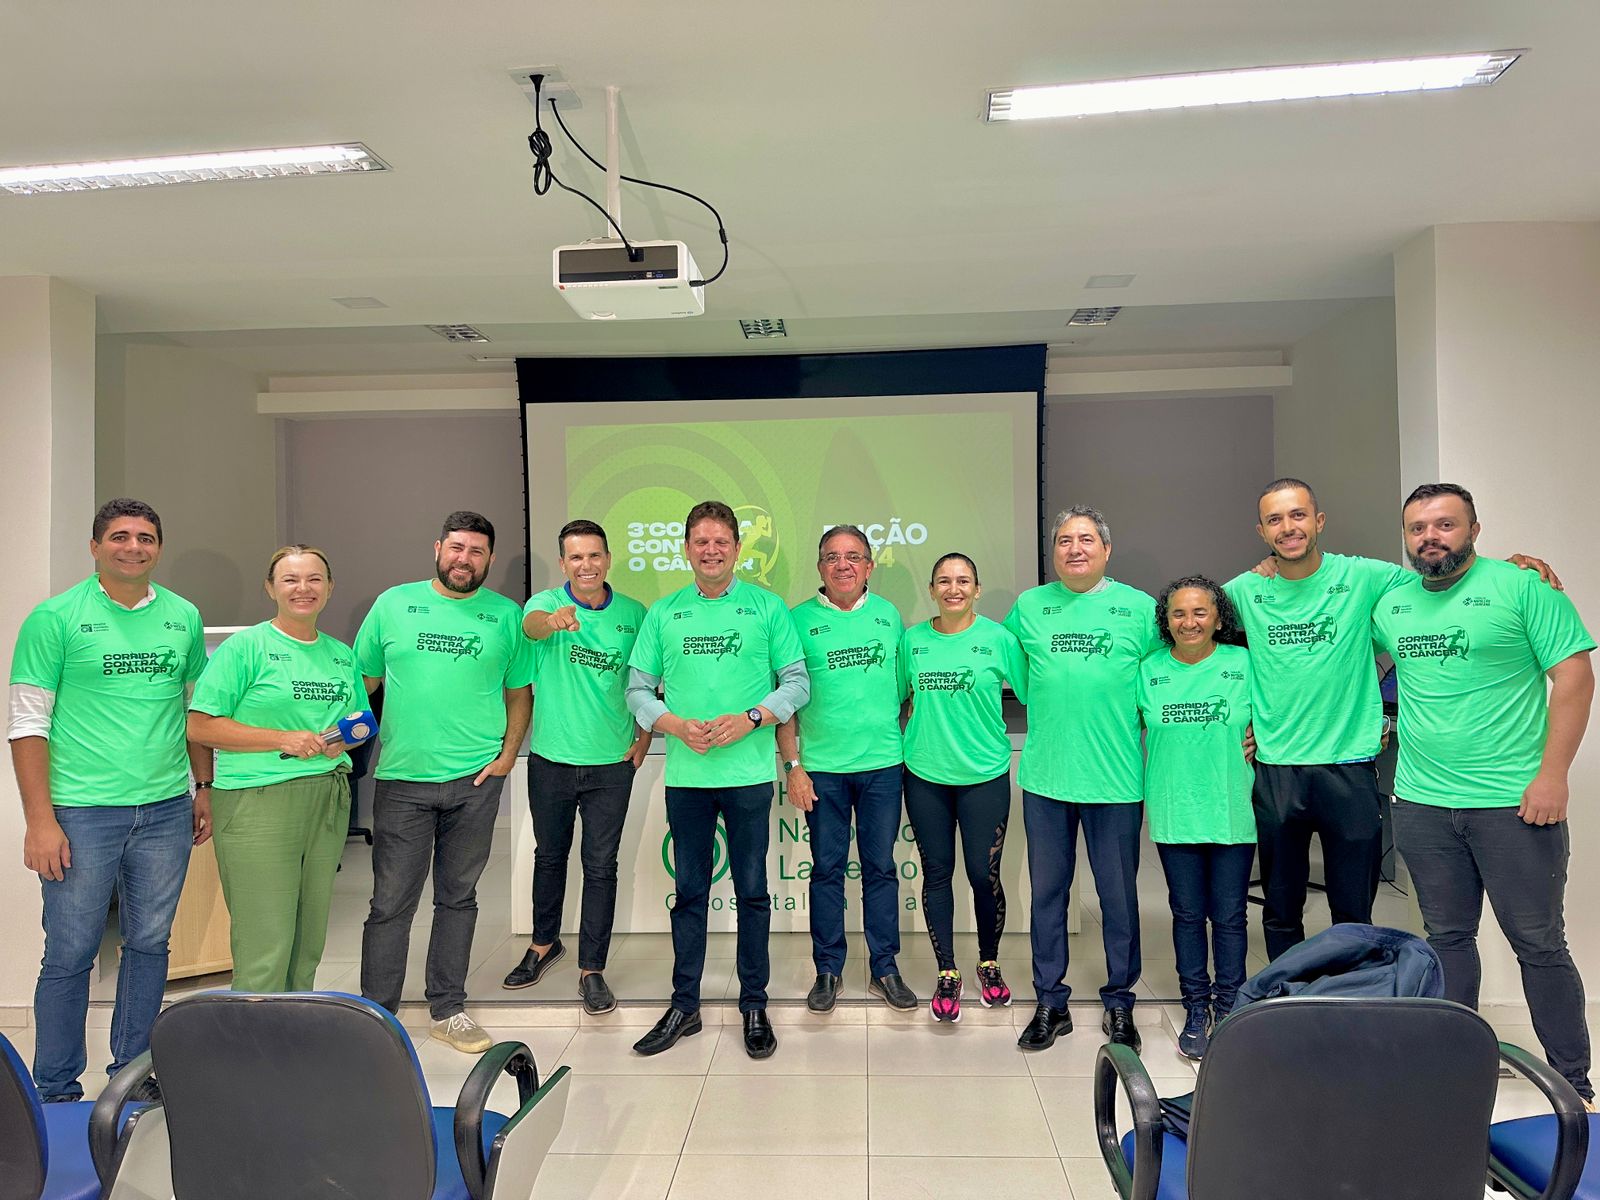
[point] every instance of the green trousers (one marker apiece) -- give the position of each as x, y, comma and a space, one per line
277, 850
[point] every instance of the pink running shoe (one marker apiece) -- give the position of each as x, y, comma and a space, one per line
946, 1002
995, 990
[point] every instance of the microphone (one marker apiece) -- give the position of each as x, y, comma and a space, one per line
358, 727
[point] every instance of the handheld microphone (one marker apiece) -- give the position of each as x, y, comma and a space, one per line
358, 727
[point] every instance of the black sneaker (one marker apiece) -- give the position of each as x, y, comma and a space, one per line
1118, 1027
597, 997
148, 1092
533, 966
1196, 1035
1047, 1025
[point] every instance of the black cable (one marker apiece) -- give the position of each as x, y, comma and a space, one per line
544, 175
721, 231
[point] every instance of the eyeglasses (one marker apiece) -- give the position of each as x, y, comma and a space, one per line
854, 558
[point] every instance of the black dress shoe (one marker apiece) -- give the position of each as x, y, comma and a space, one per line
533, 966
1119, 1027
759, 1040
894, 992
823, 993
597, 997
1047, 1025
665, 1033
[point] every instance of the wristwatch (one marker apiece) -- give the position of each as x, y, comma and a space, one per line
755, 716
790, 764
202, 784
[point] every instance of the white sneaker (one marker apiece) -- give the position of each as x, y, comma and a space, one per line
462, 1033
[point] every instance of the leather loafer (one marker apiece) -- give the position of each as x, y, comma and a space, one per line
892, 990
666, 1032
759, 1040
1047, 1025
823, 993
1118, 1027
597, 997
533, 966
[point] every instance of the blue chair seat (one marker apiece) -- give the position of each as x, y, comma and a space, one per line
1527, 1147
1174, 1182
447, 1181
71, 1174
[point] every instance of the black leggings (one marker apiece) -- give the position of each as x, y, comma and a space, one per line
981, 810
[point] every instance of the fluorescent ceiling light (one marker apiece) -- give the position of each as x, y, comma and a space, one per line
190, 168
1250, 86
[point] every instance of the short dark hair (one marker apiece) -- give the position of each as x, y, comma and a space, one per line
122, 506
944, 558
711, 510
1229, 631
1427, 491
1288, 481
834, 531
466, 521
580, 529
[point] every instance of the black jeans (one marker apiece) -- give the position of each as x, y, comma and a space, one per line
557, 793
746, 814
414, 825
1208, 881
1455, 855
980, 811
1339, 803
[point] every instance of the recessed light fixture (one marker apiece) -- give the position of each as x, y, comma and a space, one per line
1251, 85
1108, 281
458, 333
360, 302
1093, 316
764, 327
189, 168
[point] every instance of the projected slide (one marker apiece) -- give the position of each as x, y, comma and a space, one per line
921, 475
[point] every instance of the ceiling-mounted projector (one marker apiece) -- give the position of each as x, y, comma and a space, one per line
603, 282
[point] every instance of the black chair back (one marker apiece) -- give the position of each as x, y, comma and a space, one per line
308, 1095
22, 1163
1328, 1099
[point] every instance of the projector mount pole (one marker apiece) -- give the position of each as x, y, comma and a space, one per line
613, 159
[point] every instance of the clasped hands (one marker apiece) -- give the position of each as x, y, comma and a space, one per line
716, 732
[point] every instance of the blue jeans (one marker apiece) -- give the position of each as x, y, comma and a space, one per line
141, 850
874, 798
1111, 832
746, 814
1208, 881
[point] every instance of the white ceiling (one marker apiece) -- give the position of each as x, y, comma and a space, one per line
866, 201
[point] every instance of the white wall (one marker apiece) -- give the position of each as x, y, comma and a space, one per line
1500, 392
1336, 427
180, 431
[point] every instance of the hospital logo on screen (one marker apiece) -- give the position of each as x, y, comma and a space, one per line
758, 542
1197, 712
1451, 643
729, 641
1095, 641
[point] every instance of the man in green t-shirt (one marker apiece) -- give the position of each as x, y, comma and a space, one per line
1481, 790
844, 764
99, 680
1083, 765
455, 672
584, 753
725, 653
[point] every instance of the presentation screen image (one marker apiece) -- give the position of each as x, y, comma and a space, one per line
921, 475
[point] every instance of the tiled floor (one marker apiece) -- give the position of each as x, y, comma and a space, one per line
861, 1103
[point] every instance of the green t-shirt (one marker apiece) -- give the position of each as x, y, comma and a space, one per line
1197, 782
263, 677
119, 678
1083, 713
714, 657
956, 734
445, 664
1316, 684
579, 714
1470, 662
852, 721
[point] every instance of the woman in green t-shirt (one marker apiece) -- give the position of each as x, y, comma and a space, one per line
958, 769
282, 803
1194, 696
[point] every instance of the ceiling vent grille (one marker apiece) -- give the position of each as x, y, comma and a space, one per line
764, 327
1094, 316
458, 333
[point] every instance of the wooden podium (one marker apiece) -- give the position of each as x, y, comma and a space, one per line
201, 927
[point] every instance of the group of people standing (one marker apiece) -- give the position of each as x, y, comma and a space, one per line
1241, 719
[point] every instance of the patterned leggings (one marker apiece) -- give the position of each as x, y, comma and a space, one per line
980, 811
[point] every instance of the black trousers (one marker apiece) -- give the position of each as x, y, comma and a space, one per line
1340, 804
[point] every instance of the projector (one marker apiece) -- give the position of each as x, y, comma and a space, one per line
602, 284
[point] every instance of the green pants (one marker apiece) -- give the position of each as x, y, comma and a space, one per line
277, 850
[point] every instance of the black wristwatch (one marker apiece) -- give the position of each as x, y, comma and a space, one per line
755, 716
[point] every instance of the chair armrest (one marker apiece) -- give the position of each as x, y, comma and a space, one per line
1572, 1120
105, 1144
514, 1059
1119, 1064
